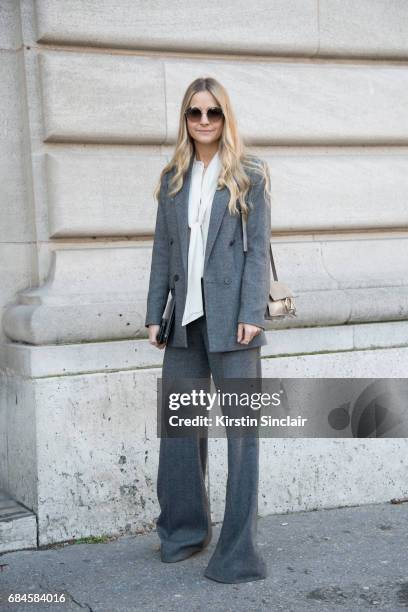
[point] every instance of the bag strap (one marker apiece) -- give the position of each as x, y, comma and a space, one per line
244, 233
245, 243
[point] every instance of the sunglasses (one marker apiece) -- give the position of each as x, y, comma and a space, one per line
195, 114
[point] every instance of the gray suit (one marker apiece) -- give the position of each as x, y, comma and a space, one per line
234, 289
236, 284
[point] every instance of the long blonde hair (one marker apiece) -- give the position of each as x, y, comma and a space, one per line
233, 153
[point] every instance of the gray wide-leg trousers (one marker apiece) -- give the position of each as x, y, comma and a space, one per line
184, 524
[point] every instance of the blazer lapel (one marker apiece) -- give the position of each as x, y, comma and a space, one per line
219, 205
181, 203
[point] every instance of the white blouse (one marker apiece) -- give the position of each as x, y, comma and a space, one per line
202, 189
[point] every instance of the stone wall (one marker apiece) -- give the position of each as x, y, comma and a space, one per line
90, 109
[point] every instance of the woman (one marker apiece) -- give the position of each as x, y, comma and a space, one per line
221, 294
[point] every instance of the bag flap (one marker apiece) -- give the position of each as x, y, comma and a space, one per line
279, 291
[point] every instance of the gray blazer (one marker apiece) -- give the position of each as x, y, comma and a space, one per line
236, 284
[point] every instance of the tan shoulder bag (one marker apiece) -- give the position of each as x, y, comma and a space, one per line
280, 302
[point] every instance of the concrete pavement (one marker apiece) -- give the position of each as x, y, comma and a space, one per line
346, 559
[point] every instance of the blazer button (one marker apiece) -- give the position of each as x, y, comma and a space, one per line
176, 277
231, 242
227, 280
171, 240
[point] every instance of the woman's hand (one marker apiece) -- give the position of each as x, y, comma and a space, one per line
247, 331
153, 331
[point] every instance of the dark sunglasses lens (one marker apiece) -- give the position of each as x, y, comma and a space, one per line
215, 114
194, 114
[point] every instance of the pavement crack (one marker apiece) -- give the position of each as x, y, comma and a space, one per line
78, 603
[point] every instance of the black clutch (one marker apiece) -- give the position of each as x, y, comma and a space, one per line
167, 321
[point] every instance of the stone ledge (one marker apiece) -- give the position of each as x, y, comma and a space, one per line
99, 294
95, 357
18, 525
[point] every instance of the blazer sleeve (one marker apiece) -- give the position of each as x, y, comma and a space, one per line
159, 271
256, 275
